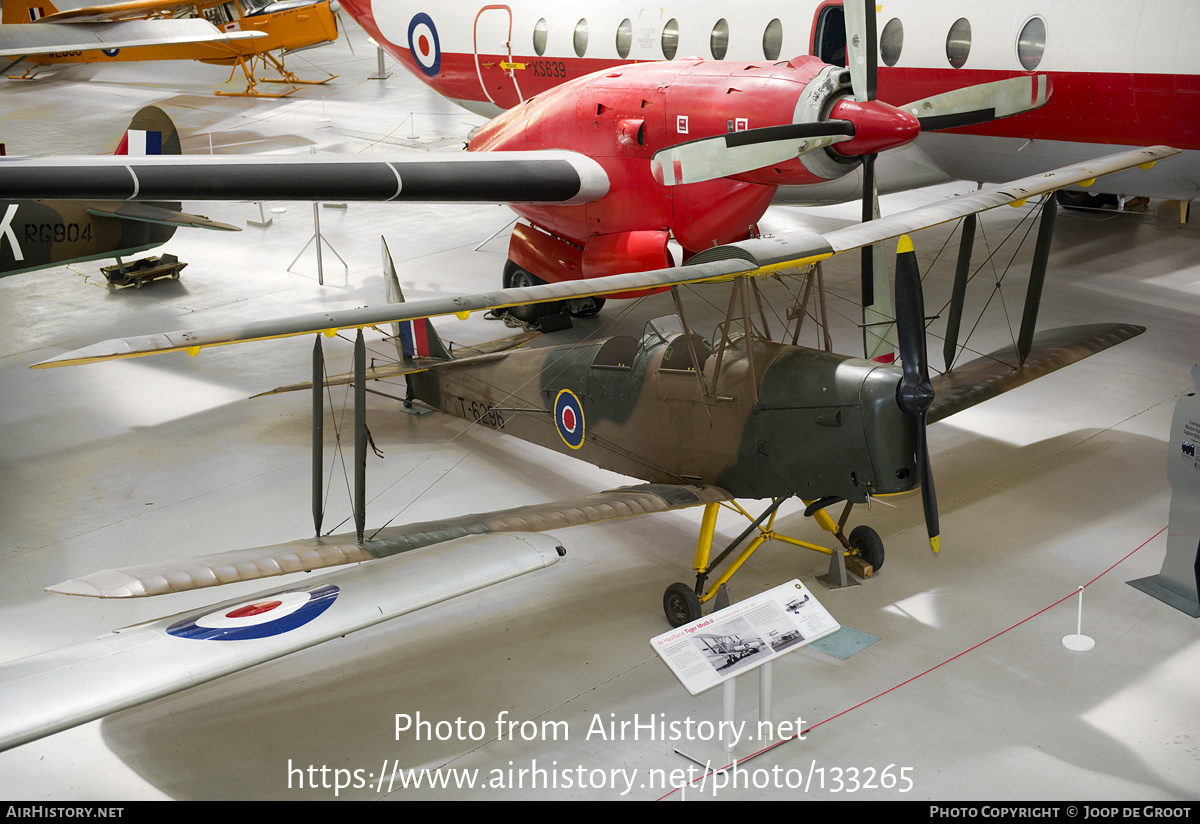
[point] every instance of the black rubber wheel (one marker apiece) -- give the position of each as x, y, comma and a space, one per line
1083, 200
681, 605
868, 544
517, 278
591, 307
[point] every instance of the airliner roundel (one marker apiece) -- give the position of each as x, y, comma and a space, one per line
424, 45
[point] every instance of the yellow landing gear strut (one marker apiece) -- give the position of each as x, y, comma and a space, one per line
681, 603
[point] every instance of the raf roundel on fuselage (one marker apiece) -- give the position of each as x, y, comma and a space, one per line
424, 44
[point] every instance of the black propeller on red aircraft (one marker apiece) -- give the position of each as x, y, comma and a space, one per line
862, 57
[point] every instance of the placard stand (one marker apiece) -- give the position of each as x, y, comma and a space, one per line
716, 754
730, 642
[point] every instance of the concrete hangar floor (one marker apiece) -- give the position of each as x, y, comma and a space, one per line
1052, 486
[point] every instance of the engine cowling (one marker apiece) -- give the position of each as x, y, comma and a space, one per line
623, 116
830, 425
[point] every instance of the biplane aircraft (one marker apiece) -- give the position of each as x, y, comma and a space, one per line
701, 421
38, 234
234, 33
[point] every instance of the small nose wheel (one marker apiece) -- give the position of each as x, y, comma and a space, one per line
681, 605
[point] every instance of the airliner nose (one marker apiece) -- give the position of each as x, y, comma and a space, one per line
877, 127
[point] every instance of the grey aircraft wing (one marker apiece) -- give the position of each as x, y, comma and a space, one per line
757, 257
26, 39
56, 690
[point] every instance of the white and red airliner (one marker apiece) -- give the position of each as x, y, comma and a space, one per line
1122, 72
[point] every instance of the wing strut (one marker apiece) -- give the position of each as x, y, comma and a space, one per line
958, 295
360, 436
318, 436
1037, 275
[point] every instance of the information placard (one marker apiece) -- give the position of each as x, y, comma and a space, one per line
744, 635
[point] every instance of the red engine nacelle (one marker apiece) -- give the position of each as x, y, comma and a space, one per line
621, 117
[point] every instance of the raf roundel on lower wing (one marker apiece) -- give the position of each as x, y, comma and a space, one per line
274, 615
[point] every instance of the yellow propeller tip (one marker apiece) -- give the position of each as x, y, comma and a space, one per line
904, 245
935, 543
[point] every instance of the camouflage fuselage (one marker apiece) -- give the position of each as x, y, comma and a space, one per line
36, 234
780, 420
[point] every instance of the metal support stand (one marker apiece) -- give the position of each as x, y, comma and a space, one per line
318, 238
713, 755
380, 72
728, 711
263, 221
766, 682
493, 234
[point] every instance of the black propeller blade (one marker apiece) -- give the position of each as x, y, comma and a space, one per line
862, 58
915, 392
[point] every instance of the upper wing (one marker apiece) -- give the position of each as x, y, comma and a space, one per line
56, 690
45, 38
551, 176
108, 12
746, 258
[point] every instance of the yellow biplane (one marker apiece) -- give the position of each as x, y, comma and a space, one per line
235, 33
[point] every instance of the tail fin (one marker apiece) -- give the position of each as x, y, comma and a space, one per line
151, 132
16, 11
414, 338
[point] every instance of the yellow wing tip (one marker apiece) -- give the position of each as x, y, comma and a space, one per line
904, 245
